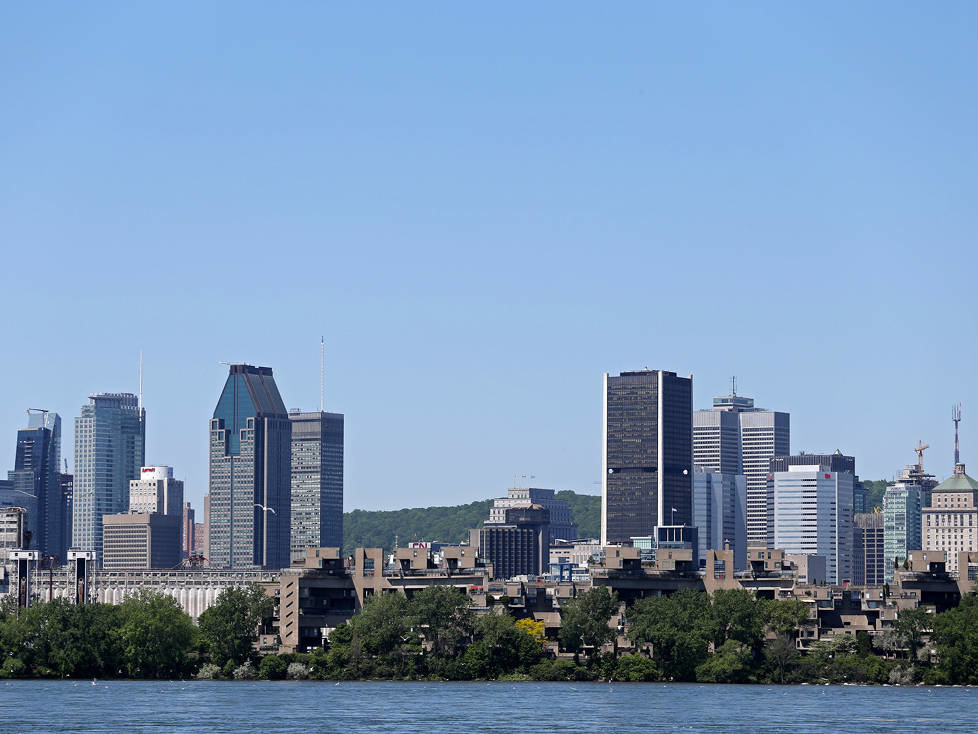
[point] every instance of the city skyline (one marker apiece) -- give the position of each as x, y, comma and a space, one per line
484, 217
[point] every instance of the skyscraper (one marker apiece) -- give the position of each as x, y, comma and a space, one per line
734, 437
813, 509
156, 491
647, 453
868, 558
110, 436
37, 471
719, 511
250, 472
903, 505
317, 480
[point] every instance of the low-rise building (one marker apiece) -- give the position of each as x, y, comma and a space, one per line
140, 540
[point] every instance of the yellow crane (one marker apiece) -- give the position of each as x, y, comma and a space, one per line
921, 448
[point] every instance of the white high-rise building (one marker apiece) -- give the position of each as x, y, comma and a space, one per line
950, 524
734, 437
813, 515
719, 514
156, 491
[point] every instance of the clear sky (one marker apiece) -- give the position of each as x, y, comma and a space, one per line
484, 208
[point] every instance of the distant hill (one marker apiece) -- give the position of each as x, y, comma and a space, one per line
377, 529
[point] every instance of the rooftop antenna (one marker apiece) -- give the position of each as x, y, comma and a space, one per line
322, 374
139, 405
956, 417
733, 386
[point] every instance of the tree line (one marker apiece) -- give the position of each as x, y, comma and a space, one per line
731, 637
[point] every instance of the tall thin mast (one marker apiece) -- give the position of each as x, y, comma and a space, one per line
322, 374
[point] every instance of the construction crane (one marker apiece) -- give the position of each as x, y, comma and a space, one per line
921, 448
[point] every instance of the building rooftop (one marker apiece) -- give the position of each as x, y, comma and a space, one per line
958, 482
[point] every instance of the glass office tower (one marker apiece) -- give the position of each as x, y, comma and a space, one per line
250, 473
647, 453
110, 437
317, 480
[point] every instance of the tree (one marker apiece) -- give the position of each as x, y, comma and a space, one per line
444, 616
272, 667
781, 651
679, 628
785, 616
532, 628
230, 627
737, 615
955, 637
910, 625
584, 621
731, 663
155, 635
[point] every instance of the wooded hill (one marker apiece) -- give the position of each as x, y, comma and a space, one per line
377, 529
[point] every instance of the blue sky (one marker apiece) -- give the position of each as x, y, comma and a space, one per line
483, 209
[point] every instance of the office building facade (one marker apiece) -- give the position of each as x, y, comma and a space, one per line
813, 514
903, 506
250, 473
950, 523
720, 514
562, 525
868, 550
519, 545
317, 480
37, 471
735, 437
140, 540
647, 453
110, 435
156, 491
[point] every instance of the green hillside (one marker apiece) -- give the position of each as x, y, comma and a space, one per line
377, 529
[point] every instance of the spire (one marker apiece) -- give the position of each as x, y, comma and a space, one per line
956, 417
322, 374
139, 404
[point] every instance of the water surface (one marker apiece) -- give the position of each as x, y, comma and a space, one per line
244, 707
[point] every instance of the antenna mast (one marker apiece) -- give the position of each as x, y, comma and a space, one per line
733, 386
322, 374
139, 405
956, 417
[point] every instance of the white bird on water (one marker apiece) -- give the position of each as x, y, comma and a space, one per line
266, 509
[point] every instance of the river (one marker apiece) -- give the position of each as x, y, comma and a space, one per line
243, 707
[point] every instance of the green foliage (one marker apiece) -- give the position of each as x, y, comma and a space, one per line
584, 621
272, 667
378, 529
910, 625
635, 669
244, 672
297, 671
586, 509
955, 637
155, 635
13, 668
875, 490
679, 628
229, 628
731, 663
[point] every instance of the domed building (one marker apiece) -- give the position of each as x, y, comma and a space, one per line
950, 524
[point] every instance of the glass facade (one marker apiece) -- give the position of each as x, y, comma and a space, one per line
250, 473
317, 480
110, 437
647, 452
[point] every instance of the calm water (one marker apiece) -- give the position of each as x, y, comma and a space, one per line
241, 707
